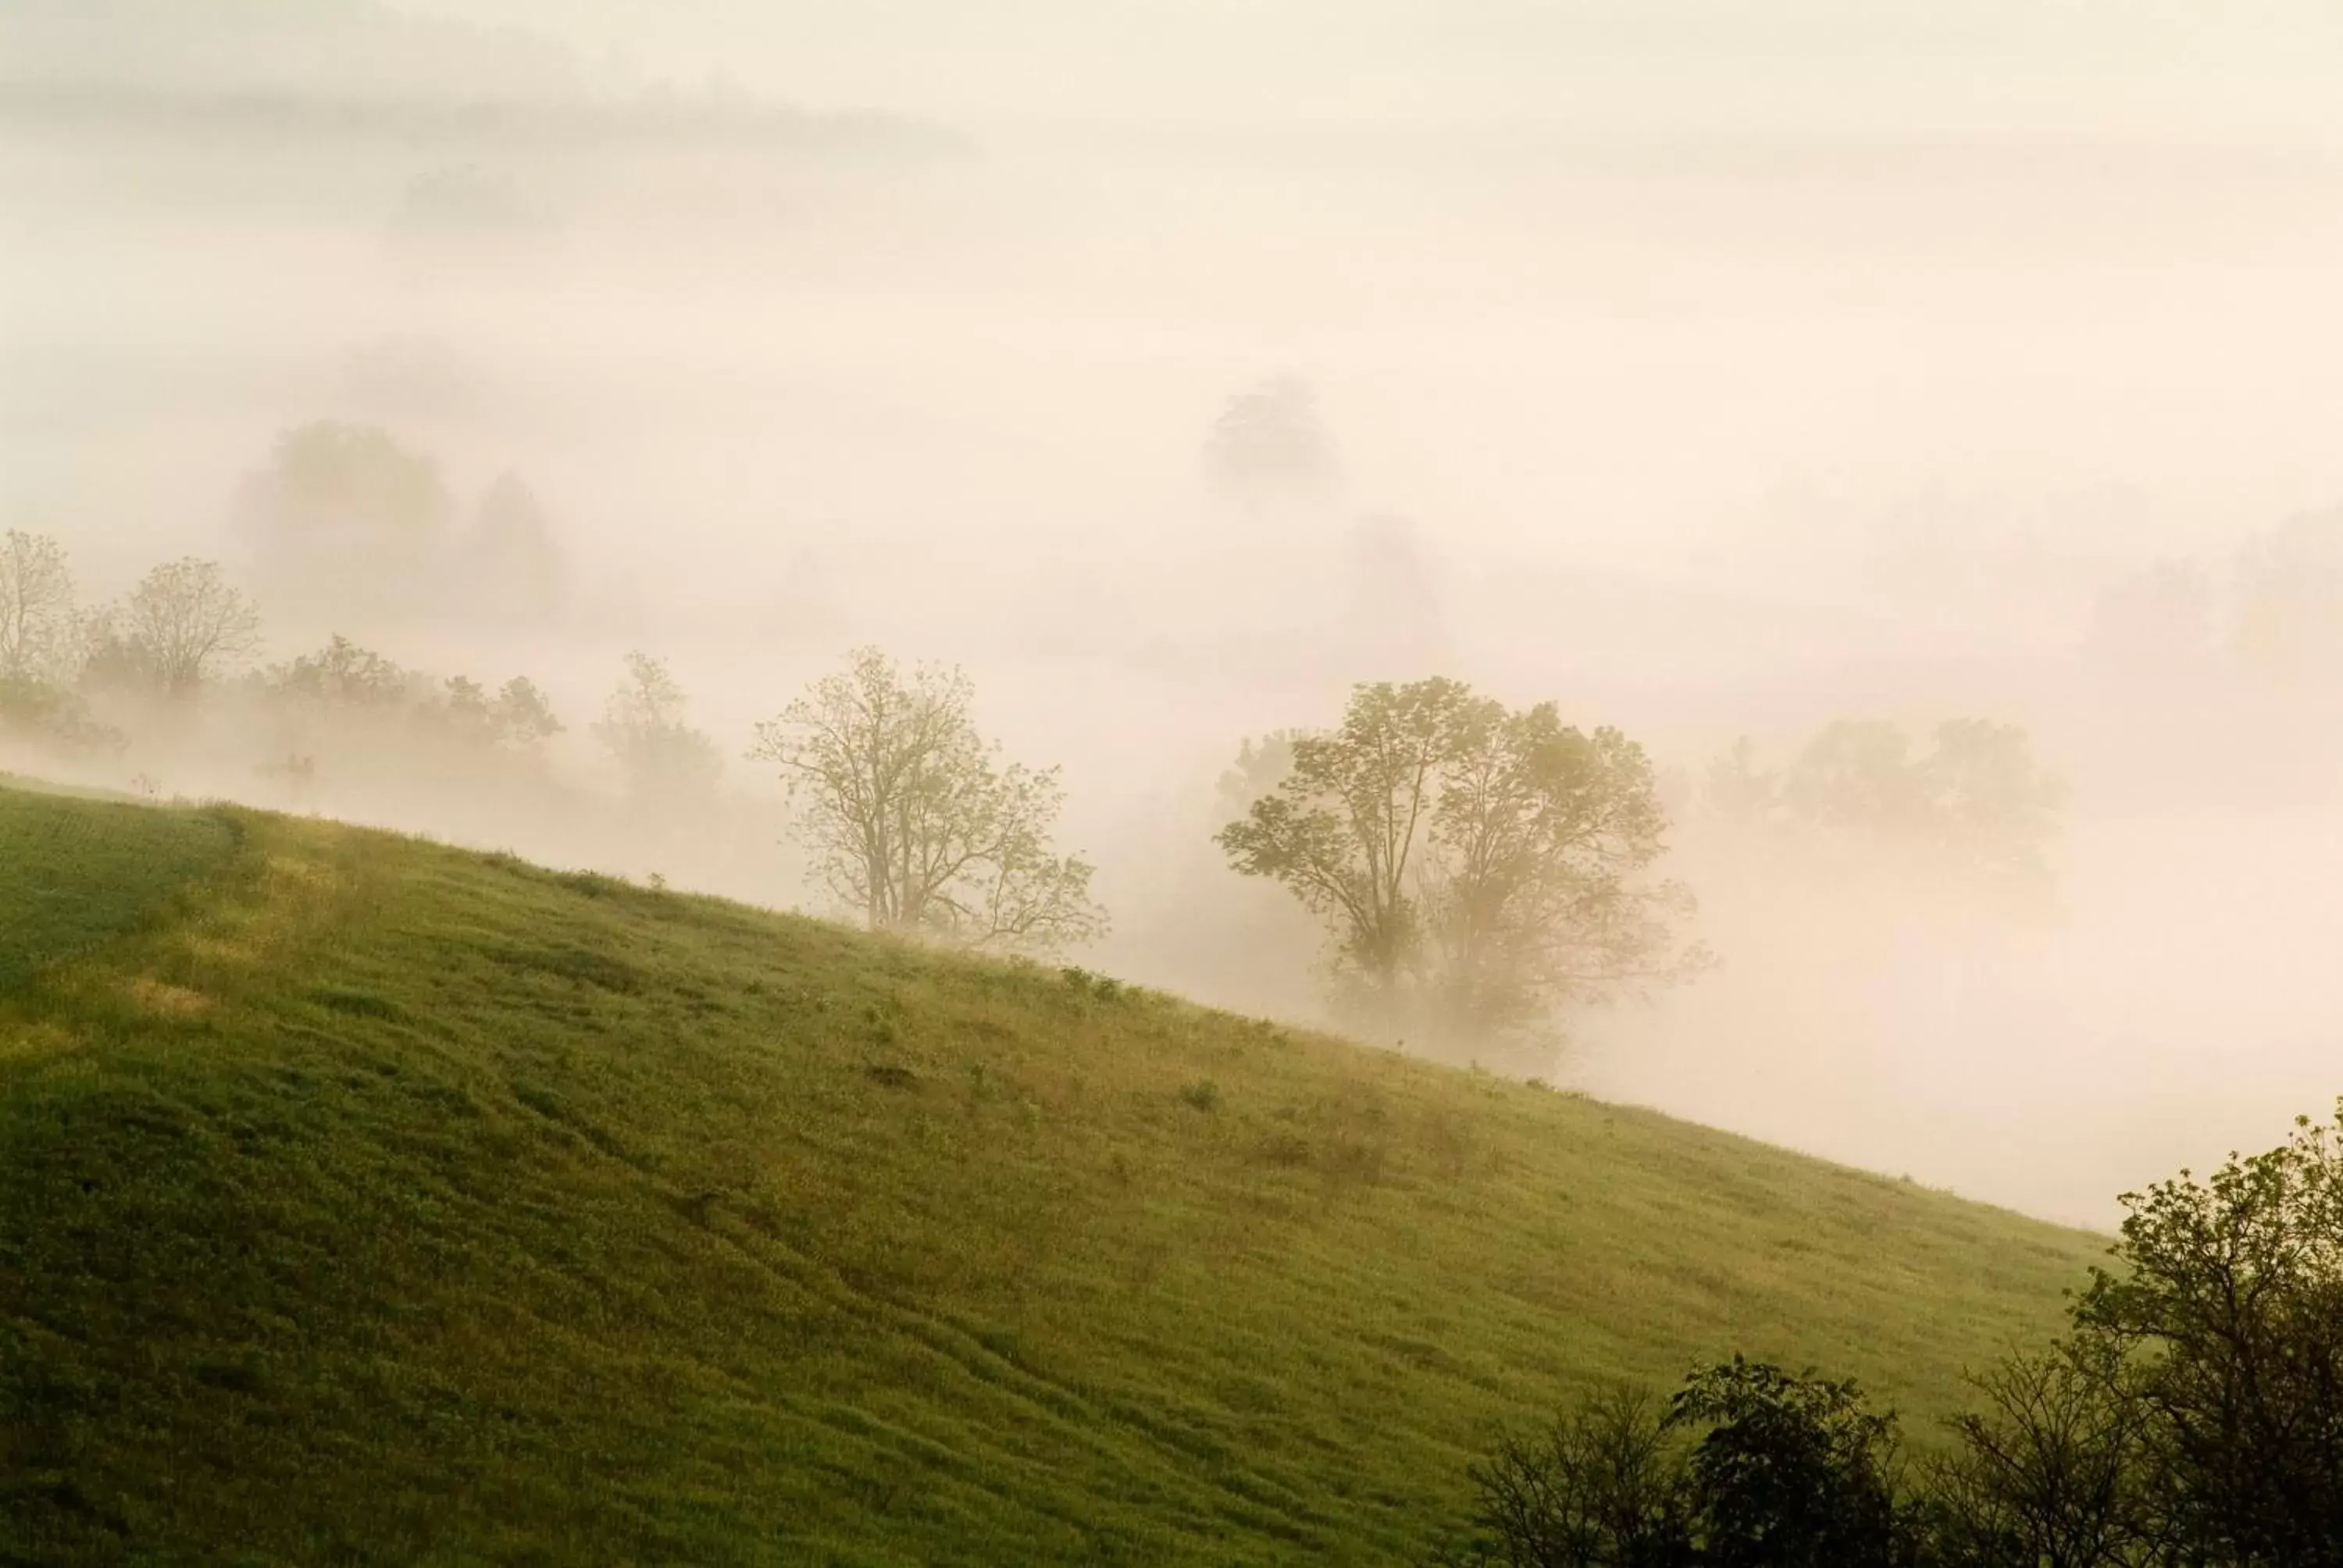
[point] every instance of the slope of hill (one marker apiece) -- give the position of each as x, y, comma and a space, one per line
366, 1200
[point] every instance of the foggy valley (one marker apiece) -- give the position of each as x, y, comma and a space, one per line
1699, 436
1913, 426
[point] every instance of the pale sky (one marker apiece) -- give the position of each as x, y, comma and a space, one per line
2153, 69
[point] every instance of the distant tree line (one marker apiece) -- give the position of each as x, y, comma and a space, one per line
1477, 874
913, 821
2191, 1417
1973, 810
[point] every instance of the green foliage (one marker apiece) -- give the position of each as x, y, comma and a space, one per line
911, 822
1479, 870
2194, 1418
367, 1200
2228, 1311
1792, 1472
1748, 1466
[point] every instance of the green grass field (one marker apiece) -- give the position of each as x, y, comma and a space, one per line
364, 1199
74, 872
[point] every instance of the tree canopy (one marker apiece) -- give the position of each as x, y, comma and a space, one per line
912, 822
1478, 870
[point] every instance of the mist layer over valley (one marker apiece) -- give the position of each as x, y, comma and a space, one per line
1701, 415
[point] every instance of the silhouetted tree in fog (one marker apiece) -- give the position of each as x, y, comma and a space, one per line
912, 822
1269, 441
1976, 807
517, 718
182, 626
348, 520
2228, 1309
513, 565
664, 762
36, 607
2058, 1470
2288, 614
1604, 1487
1477, 869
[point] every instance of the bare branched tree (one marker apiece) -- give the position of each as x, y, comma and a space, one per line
184, 625
910, 820
2057, 1469
36, 596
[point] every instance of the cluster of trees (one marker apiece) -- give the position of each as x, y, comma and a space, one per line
2278, 615
355, 522
911, 819
2192, 1417
181, 626
1477, 872
1975, 808
1477, 869
1269, 442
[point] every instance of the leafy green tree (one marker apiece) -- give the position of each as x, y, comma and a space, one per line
1748, 1466
2192, 1419
2229, 1306
911, 821
1478, 870
1792, 1472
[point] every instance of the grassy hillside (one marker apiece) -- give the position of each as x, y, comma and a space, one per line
366, 1200
74, 872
